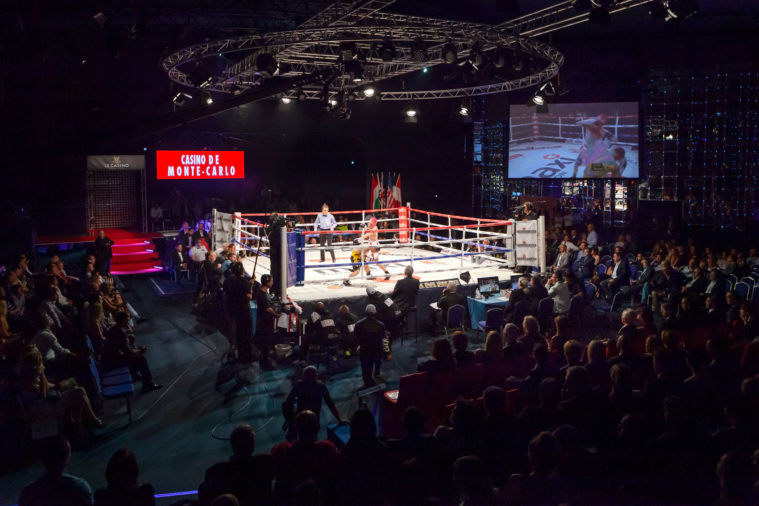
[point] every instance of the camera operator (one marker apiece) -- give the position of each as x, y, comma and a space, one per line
237, 296
267, 315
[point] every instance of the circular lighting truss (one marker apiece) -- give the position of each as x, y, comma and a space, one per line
363, 56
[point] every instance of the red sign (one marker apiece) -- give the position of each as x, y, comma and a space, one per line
200, 164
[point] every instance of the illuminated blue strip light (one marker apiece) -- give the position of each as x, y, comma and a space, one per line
167, 494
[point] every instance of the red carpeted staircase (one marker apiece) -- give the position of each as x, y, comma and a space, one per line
133, 252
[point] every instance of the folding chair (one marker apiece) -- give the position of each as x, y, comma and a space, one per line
493, 320
454, 319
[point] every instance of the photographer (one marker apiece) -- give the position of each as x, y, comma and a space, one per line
266, 317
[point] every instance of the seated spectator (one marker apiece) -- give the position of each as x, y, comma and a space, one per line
111, 300
461, 355
573, 352
95, 324
442, 358
515, 297
249, 477
473, 482
56, 486
531, 333
537, 487
512, 348
618, 276
120, 350
563, 330
545, 415
563, 259
40, 398
629, 354
305, 459
179, 260
536, 292
448, 299
598, 367
558, 290
528, 385
122, 475
363, 463
750, 322
462, 436
492, 354
16, 300
59, 361
49, 307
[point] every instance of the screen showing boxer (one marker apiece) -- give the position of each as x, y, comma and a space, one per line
574, 141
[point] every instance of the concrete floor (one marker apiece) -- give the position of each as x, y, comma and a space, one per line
178, 430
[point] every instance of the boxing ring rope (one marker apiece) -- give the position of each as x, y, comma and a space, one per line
418, 234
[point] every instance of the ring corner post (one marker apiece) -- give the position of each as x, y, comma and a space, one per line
542, 244
283, 266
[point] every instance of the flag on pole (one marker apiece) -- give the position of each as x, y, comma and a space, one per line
394, 198
376, 192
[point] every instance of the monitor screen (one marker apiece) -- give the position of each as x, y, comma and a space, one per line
488, 285
597, 140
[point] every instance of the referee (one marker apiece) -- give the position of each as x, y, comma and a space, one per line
325, 221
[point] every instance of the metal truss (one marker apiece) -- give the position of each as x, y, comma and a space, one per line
315, 46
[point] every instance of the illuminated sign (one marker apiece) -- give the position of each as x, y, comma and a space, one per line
200, 164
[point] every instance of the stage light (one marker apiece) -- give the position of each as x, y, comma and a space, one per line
333, 101
410, 114
207, 98
538, 99
286, 100
369, 91
266, 65
464, 110
449, 52
180, 98
419, 51
425, 70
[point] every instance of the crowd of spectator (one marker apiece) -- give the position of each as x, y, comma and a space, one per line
56, 331
657, 406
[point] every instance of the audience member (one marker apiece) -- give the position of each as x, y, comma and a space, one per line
55, 487
122, 475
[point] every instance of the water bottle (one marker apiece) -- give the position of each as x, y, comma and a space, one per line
477, 294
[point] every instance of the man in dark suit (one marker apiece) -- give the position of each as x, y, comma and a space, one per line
517, 296
696, 287
179, 260
103, 253
449, 298
645, 279
369, 333
213, 272
715, 286
536, 292
619, 276
406, 289
587, 264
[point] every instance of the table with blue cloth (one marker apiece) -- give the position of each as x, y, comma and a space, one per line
478, 308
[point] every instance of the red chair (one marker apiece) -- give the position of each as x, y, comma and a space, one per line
470, 380
412, 391
514, 402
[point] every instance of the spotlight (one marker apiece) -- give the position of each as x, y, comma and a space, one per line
449, 52
266, 65
207, 98
419, 50
410, 114
538, 98
286, 100
425, 70
332, 101
464, 110
180, 98
369, 92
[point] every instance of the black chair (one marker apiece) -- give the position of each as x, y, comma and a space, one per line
545, 314
493, 320
454, 319
521, 309
410, 311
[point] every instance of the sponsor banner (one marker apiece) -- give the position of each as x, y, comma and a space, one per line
526, 244
200, 164
403, 223
116, 162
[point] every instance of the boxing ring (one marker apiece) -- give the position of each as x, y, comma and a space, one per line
548, 145
440, 247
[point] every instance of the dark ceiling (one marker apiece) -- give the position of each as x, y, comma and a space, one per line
65, 79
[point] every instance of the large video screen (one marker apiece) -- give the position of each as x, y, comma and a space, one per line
574, 141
